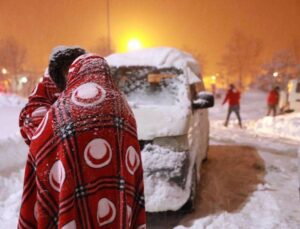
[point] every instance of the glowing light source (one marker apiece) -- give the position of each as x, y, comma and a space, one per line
275, 74
134, 44
23, 79
213, 79
4, 71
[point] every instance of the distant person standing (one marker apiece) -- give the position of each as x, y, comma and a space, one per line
233, 97
273, 100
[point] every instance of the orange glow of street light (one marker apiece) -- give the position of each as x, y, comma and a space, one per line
4, 71
134, 44
213, 79
275, 74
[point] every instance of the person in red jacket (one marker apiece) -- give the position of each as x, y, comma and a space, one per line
84, 167
273, 100
233, 98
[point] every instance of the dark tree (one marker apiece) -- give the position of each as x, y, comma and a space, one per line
241, 58
12, 58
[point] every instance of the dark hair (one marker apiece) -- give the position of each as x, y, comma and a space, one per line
60, 61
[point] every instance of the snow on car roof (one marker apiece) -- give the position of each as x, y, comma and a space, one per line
159, 57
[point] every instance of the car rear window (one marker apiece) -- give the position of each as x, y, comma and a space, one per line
142, 85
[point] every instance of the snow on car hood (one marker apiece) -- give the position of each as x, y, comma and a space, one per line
161, 121
159, 57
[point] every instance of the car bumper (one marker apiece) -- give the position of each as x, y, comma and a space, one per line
165, 178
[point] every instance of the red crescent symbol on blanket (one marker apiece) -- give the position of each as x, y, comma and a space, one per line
88, 94
106, 212
57, 175
132, 160
98, 153
143, 226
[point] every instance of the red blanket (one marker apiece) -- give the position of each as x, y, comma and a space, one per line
84, 167
39, 101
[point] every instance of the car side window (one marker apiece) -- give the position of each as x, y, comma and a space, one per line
298, 88
196, 88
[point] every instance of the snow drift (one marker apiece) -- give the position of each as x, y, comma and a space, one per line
286, 126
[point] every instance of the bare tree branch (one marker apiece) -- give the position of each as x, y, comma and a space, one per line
241, 57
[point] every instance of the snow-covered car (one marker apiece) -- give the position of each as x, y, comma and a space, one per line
294, 94
166, 93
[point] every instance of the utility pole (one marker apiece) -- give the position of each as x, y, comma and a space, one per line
108, 25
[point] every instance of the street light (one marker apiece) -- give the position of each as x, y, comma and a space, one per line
275, 74
4, 71
213, 79
134, 44
23, 79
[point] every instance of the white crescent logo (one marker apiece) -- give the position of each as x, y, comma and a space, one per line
129, 215
70, 225
98, 153
41, 127
36, 211
142, 226
57, 175
132, 160
34, 90
88, 94
41, 111
106, 212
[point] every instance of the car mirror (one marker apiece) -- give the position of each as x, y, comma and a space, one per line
203, 100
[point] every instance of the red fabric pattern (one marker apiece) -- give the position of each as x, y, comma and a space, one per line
84, 168
273, 98
40, 100
233, 97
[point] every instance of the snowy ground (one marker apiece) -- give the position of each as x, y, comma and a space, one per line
274, 204
12, 158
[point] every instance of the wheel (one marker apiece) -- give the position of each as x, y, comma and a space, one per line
190, 205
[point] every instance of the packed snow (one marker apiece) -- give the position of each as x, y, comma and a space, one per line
275, 204
11, 100
12, 159
286, 126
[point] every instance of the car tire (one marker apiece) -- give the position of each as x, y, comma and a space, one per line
207, 149
190, 205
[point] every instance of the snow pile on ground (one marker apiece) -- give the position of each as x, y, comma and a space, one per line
261, 211
253, 113
11, 100
13, 150
10, 198
287, 126
13, 153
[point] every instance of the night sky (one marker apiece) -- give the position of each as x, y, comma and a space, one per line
201, 25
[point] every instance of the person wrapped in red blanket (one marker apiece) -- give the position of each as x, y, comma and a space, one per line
39, 101
84, 168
